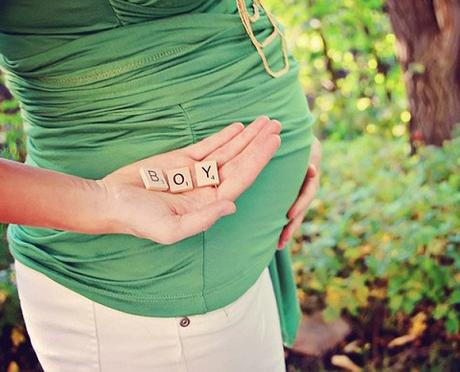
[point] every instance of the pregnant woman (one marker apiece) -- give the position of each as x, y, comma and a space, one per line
115, 277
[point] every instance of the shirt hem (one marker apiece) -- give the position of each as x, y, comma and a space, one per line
193, 304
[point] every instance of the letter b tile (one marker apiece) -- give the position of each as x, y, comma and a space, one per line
153, 179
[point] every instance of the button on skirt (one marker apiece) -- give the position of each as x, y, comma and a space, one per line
70, 332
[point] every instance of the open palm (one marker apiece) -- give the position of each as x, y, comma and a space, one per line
240, 152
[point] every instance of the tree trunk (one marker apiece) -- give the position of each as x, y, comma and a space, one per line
428, 48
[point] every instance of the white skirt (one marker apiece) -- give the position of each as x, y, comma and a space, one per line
72, 333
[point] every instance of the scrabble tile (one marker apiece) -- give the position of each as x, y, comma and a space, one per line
206, 173
179, 179
153, 179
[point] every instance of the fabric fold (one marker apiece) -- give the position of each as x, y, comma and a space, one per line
106, 99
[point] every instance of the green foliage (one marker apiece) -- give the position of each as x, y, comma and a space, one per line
12, 146
12, 137
9, 301
346, 51
385, 228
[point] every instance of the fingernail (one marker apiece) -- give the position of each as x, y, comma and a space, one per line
239, 124
264, 118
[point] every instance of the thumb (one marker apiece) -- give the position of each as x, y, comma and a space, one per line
202, 219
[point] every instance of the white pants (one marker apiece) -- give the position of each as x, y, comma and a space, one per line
72, 333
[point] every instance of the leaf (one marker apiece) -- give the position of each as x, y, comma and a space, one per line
453, 322
345, 362
402, 340
3, 296
418, 324
352, 347
13, 367
454, 297
440, 311
17, 336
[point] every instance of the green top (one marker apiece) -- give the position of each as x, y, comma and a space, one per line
104, 83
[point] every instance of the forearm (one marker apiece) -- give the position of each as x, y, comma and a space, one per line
45, 198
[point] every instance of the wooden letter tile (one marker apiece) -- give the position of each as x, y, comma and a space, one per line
179, 179
206, 173
153, 179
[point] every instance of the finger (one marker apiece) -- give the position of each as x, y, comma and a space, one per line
311, 171
241, 171
289, 229
192, 223
201, 149
239, 142
304, 200
308, 182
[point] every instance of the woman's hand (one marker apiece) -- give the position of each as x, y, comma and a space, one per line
164, 217
307, 192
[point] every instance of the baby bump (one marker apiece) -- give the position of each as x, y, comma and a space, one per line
242, 243
247, 240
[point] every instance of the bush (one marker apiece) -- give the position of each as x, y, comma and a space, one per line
384, 233
346, 51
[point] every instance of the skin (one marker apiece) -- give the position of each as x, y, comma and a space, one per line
119, 202
306, 195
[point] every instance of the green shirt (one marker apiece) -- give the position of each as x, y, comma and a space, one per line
102, 84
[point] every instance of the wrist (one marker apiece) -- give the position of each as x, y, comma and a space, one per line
106, 214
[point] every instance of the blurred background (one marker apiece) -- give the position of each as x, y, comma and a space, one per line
377, 259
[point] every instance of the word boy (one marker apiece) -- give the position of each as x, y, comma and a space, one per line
180, 179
